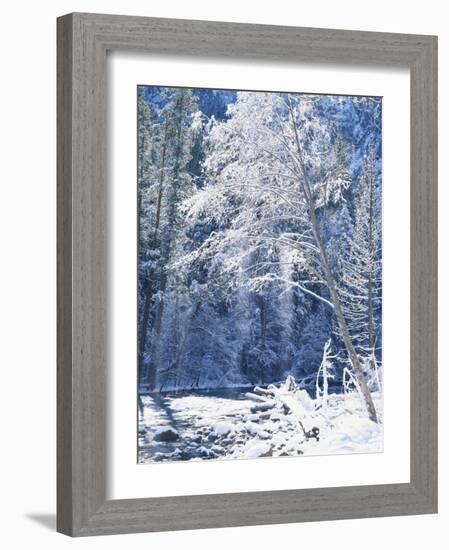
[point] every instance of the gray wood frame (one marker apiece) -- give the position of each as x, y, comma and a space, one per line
83, 40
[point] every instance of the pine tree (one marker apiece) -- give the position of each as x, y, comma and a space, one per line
177, 124
362, 267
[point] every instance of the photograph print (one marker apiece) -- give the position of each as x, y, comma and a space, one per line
259, 274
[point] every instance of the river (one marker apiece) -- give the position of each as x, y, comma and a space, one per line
191, 416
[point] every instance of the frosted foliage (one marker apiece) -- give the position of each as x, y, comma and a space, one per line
254, 190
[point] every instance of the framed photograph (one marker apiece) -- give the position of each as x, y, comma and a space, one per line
247, 274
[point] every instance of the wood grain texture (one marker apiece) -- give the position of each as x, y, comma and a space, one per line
83, 40
64, 276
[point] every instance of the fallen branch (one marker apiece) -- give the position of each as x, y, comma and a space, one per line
257, 398
285, 397
270, 391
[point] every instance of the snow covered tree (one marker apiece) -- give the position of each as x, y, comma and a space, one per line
171, 183
272, 167
360, 288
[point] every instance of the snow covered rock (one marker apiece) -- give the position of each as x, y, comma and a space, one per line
158, 457
203, 452
252, 429
166, 434
256, 430
223, 428
257, 449
251, 418
294, 443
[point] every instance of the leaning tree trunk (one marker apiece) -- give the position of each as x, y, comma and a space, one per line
330, 282
342, 325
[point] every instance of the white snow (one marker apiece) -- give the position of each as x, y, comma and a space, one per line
222, 428
255, 449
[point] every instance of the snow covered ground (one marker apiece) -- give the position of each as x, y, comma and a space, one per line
225, 425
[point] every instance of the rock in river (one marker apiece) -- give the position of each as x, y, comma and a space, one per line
166, 434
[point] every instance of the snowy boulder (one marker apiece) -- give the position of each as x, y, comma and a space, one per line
294, 443
255, 430
218, 450
257, 449
271, 427
166, 434
251, 418
158, 457
222, 429
203, 452
181, 454
252, 429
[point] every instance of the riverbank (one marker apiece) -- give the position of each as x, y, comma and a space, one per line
227, 424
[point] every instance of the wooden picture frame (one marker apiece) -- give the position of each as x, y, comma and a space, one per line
83, 40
